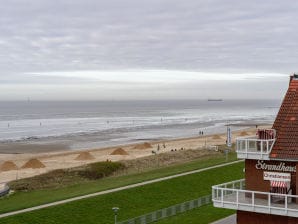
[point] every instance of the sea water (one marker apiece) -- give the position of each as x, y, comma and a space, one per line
101, 123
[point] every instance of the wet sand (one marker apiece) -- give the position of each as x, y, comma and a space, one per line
23, 148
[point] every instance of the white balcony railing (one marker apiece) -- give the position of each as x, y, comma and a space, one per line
233, 195
254, 148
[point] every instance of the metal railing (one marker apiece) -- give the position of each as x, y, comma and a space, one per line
253, 148
168, 212
234, 196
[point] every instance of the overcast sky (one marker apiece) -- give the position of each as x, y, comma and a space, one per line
146, 49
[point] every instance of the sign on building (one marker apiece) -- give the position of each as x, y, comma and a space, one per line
282, 166
275, 176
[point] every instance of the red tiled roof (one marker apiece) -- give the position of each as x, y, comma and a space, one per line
286, 125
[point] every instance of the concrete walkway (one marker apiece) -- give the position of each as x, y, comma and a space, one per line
114, 190
228, 220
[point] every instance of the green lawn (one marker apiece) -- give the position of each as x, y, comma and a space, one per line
203, 215
22, 200
137, 201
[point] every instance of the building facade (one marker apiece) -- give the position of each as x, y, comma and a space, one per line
269, 192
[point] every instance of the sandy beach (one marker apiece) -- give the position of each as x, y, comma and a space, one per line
56, 156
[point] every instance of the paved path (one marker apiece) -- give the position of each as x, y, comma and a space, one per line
114, 190
228, 220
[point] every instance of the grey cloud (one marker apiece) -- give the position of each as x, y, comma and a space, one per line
219, 35
197, 35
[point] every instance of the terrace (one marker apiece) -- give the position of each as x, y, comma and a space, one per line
256, 147
233, 195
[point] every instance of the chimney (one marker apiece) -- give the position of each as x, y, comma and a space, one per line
291, 78
294, 76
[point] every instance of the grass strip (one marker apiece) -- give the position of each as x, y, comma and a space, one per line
132, 202
202, 215
21, 200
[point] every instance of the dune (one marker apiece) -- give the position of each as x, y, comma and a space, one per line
8, 165
85, 156
119, 151
215, 137
34, 164
243, 133
145, 145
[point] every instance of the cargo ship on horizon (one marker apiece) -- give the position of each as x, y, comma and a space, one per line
215, 99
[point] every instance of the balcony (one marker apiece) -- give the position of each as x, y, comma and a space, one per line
233, 195
254, 148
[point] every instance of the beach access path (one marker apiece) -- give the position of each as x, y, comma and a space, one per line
114, 190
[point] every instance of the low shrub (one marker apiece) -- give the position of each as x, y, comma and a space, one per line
101, 169
63, 177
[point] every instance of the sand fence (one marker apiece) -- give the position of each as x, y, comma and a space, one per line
85, 156
119, 151
33, 164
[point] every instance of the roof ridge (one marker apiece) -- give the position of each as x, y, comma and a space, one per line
286, 126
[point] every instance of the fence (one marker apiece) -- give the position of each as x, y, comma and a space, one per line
168, 212
233, 195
